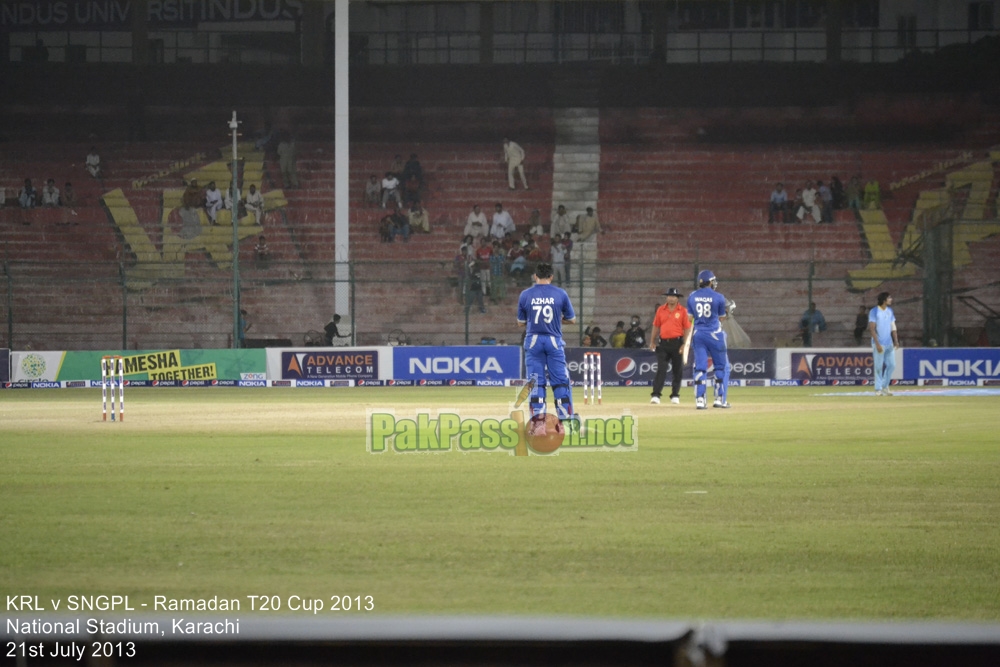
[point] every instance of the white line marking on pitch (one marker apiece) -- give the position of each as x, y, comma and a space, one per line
700, 492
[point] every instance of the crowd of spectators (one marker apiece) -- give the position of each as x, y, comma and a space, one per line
634, 337
818, 200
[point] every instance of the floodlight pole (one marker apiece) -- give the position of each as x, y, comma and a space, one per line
237, 325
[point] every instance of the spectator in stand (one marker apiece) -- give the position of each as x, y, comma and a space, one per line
193, 196
413, 178
261, 250
419, 219
635, 337
93, 162
860, 323
535, 256
826, 202
558, 263
400, 226
593, 335
50, 194
475, 293
3, 196
483, 255
873, 197
286, 161
809, 204
69, 195
778, 204
513, 155
812, 322
331, 331
837, 190
516, 261
227, 202
28, 196
213, 201
390, 188
588, 225
618, 335
192, 201
254, 203
461, 275
561, 223
411, 190
854, 193
476, 225
567, 244
794, 205
498, 279
385, 229
373, 191
397, 166
468, 247
535, 224
69, 201
503, 224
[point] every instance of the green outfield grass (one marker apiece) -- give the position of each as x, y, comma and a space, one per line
789, 505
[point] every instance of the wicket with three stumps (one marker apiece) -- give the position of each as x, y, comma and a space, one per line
591, 377
113, 375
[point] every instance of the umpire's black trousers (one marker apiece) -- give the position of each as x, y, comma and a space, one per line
669, 351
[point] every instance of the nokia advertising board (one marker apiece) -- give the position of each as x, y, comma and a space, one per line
968, 364
637, 366
470, 362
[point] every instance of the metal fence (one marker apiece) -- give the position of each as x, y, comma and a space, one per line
122, 306
861, 45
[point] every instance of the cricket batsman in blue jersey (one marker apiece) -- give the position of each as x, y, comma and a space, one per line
542, 309
707, 309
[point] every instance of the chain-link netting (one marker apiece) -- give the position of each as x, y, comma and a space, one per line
116, 306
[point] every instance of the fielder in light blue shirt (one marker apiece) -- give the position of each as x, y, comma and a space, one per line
885, 340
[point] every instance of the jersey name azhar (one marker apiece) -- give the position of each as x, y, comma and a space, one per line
542, 308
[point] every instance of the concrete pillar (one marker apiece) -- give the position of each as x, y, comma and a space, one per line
140, 34
313, 33
486, 33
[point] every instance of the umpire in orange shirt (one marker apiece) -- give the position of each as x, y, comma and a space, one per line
671, 330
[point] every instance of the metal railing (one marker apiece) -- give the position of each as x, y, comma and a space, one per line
862, 45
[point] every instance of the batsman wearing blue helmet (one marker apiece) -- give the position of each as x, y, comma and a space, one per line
542, 309
708, 308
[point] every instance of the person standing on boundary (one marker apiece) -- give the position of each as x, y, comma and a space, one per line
885, 341
708, 309
542, 309
671, 331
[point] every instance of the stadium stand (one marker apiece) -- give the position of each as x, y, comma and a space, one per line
669, 193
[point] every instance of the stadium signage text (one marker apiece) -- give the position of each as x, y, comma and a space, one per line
455, 365
117, 13
832, 365
951, 363
329, 365
445, 431
958, 368
461, 363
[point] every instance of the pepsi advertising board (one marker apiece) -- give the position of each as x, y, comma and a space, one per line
461, 363
956, 364
637, 367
